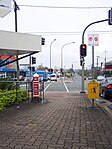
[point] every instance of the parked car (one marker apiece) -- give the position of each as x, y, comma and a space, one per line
106, 88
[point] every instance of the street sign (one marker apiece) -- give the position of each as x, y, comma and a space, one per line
5, 7
93, 90
93, 39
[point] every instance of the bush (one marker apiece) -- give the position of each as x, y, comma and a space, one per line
9, 99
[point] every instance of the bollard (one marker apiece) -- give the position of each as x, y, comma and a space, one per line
36, 86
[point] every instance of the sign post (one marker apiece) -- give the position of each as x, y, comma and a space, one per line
93, 40
93, 91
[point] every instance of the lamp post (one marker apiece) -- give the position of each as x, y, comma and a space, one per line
62, 52
97, 66
73, 69
50, 53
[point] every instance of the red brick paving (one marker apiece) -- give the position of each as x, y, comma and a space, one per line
67, 121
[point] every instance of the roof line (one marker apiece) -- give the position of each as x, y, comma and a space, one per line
62, 7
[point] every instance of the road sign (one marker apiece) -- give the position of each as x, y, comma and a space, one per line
93, 90
93, 39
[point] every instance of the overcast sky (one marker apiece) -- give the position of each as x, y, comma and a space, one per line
63, 20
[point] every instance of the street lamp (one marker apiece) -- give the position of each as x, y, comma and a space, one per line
50, 53
73, 70
62, 52
97, 61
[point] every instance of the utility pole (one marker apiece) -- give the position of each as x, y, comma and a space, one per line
105, 62
97, 61
97, 64
17, 61
15, 10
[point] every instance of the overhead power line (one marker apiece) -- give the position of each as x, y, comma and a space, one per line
70, 33
62, 7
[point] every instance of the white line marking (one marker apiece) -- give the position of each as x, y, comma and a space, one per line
47, 86
66, 87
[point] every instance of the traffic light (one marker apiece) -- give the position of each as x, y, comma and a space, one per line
101, 64
33, 68
42, 41
33, 60
81, 60
110, 17
83, 50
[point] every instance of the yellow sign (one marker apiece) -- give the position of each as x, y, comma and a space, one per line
93, 90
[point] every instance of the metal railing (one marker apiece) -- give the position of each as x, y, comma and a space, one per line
24, 86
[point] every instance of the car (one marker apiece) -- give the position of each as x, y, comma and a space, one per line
21, 78
89, 78
100, 78
106, 88
53, 77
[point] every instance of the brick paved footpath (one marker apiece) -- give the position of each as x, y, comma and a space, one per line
67, 121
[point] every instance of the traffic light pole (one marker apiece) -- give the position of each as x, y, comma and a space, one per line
90, 25
83, 62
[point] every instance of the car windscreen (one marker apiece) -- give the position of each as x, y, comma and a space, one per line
52, 76
109, 80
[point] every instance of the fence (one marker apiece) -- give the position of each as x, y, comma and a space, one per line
24, 86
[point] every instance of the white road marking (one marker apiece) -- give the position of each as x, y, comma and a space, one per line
66, 87
47, 86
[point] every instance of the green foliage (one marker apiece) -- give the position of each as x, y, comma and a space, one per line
5, 83
9, 97
8, 94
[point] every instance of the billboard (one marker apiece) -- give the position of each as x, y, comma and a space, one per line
10, 67
5, 7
